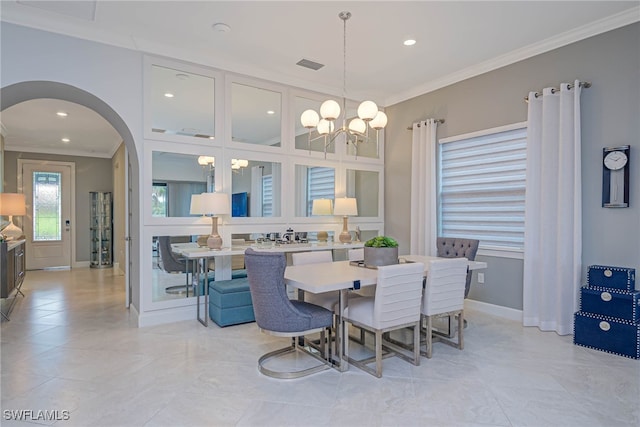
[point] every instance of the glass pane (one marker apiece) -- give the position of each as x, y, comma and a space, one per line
159, 200
256, 115
363, 185
302, 134
47, 206
313, 183
175, 178
255, 188
182, 103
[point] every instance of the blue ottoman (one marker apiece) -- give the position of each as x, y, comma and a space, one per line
230, 302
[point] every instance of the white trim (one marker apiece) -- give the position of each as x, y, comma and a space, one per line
80, 264
134, 314
58, 152
612, 22
501, 253
483, 132
174, 314
494, 310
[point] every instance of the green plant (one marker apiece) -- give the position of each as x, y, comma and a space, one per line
381, 242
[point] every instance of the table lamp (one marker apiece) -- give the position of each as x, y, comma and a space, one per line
12, 204
345, 206
322, 207
214, 204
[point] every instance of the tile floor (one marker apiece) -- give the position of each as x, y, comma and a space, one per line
70, 346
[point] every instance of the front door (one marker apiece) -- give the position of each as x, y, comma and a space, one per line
47, 187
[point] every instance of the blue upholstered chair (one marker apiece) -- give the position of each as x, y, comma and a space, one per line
277, 315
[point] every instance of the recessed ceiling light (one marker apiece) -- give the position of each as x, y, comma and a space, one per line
66, 140
168, 95
62, 114
212, 137
271, 112
409, 42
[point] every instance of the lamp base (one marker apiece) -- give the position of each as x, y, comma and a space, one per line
214, 241
12, 231
345, 236
322, 236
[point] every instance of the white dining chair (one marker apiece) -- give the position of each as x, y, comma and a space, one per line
396, 305
327, 300
444, 296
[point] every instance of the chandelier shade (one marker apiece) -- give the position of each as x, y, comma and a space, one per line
357, 131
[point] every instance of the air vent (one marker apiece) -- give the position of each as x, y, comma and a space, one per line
158, 130
306, 63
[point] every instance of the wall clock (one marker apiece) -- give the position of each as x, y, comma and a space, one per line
615, 177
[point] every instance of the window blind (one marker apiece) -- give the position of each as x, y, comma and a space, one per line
267, 195
320, 185
482, 187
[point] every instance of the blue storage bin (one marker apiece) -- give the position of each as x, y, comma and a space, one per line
230, 302
622, 278
611, 302
607, 334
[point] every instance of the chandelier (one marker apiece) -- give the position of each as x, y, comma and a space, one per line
357, 131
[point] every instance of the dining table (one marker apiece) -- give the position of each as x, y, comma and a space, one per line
345, 276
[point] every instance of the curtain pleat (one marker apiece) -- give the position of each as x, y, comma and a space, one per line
423, 188
553, 221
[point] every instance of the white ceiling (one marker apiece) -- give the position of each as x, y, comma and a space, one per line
455, 40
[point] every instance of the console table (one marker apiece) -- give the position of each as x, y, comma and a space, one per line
12, 267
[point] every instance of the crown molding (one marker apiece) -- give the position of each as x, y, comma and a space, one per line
45, 150
612, 22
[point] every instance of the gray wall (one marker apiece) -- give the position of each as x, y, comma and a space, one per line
92, 174
610, 117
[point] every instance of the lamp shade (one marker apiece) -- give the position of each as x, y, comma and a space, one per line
215, 203
367, 110
330, 110
325, 127
357, 125
346, 206
12, 204
206, 160
195, 208
309, 119
379, 122
322, 207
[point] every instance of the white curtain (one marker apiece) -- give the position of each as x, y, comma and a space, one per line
424, 228
255, 201
553, 216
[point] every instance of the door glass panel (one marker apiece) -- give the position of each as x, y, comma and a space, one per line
182, 103
47, 206
256, 115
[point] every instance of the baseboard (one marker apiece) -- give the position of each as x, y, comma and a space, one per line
495, 310
81, 264
160, 317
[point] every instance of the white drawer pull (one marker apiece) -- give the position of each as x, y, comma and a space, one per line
608, 273
605, 326
606, 296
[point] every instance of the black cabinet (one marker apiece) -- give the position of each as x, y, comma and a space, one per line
12, 270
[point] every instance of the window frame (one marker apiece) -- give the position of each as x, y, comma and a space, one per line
484, 249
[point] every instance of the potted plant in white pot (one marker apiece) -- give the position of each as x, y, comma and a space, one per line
380, 250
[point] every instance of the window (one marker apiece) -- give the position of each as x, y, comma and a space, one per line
159, 199
320, 185
47, 206
481, 187
267, 195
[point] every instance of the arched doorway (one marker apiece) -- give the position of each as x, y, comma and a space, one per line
26, 91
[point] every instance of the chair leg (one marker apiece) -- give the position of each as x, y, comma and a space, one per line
461, 321
378, 338
428, 338
416, 344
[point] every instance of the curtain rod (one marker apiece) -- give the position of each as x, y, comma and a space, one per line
585, 85
439, 121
